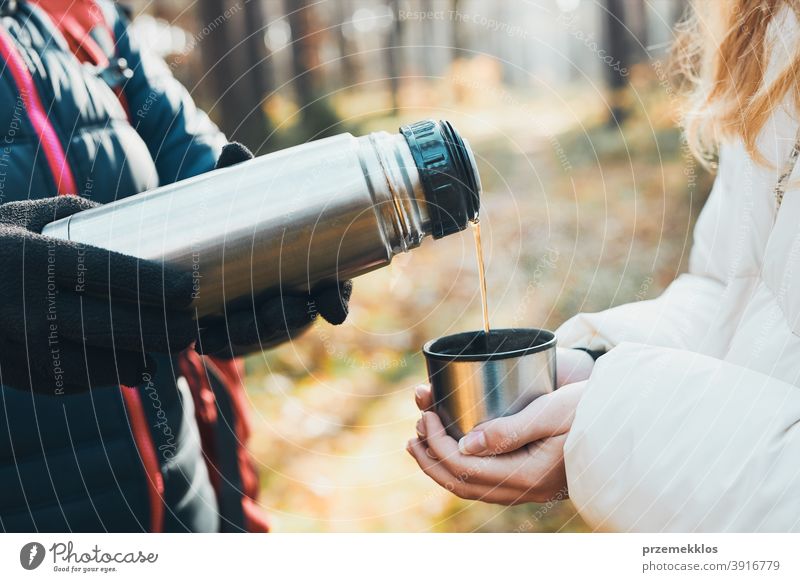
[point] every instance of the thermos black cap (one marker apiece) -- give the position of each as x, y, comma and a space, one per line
447, 172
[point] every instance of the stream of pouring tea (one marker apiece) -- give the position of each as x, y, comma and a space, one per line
476, 233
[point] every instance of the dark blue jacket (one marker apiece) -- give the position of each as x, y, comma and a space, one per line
72, 463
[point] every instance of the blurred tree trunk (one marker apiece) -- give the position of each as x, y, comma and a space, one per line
456, 30
258, 66
393, 52
344, 11
508, 47
305, 51
316, 115
426, 51
234, 68
636, 18
617, 47
220, 74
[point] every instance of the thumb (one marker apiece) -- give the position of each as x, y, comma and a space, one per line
547, 416
232, 154
333, 302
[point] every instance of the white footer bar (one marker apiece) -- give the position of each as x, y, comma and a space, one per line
378, 557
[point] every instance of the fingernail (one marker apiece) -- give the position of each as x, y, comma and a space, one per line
421, 429
472, 443
419, 392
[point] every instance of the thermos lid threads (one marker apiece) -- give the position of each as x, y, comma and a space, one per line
447, 172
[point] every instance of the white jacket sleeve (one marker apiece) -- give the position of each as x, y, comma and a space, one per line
678, 318
683, 313
671, 440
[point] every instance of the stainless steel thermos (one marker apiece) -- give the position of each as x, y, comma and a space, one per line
325, 210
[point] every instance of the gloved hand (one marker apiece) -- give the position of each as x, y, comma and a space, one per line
73, 316
273, 319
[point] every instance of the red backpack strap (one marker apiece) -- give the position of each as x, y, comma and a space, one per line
77, 19
50, 143
140, 430
90, 37
230, 372
222, 417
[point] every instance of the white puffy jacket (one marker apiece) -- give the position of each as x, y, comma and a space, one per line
691, 421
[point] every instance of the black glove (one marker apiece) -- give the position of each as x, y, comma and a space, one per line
272, 319
74, 316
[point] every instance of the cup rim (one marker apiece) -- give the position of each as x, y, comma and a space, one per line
550, 343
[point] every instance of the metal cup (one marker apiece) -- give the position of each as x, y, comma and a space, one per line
476, 377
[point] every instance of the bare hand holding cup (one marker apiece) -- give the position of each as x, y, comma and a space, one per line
509, 460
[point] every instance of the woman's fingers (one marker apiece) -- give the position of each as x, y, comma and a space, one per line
457, 485
423, 396
547, 416
443, 448
441, 445
499, 473
573, 366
